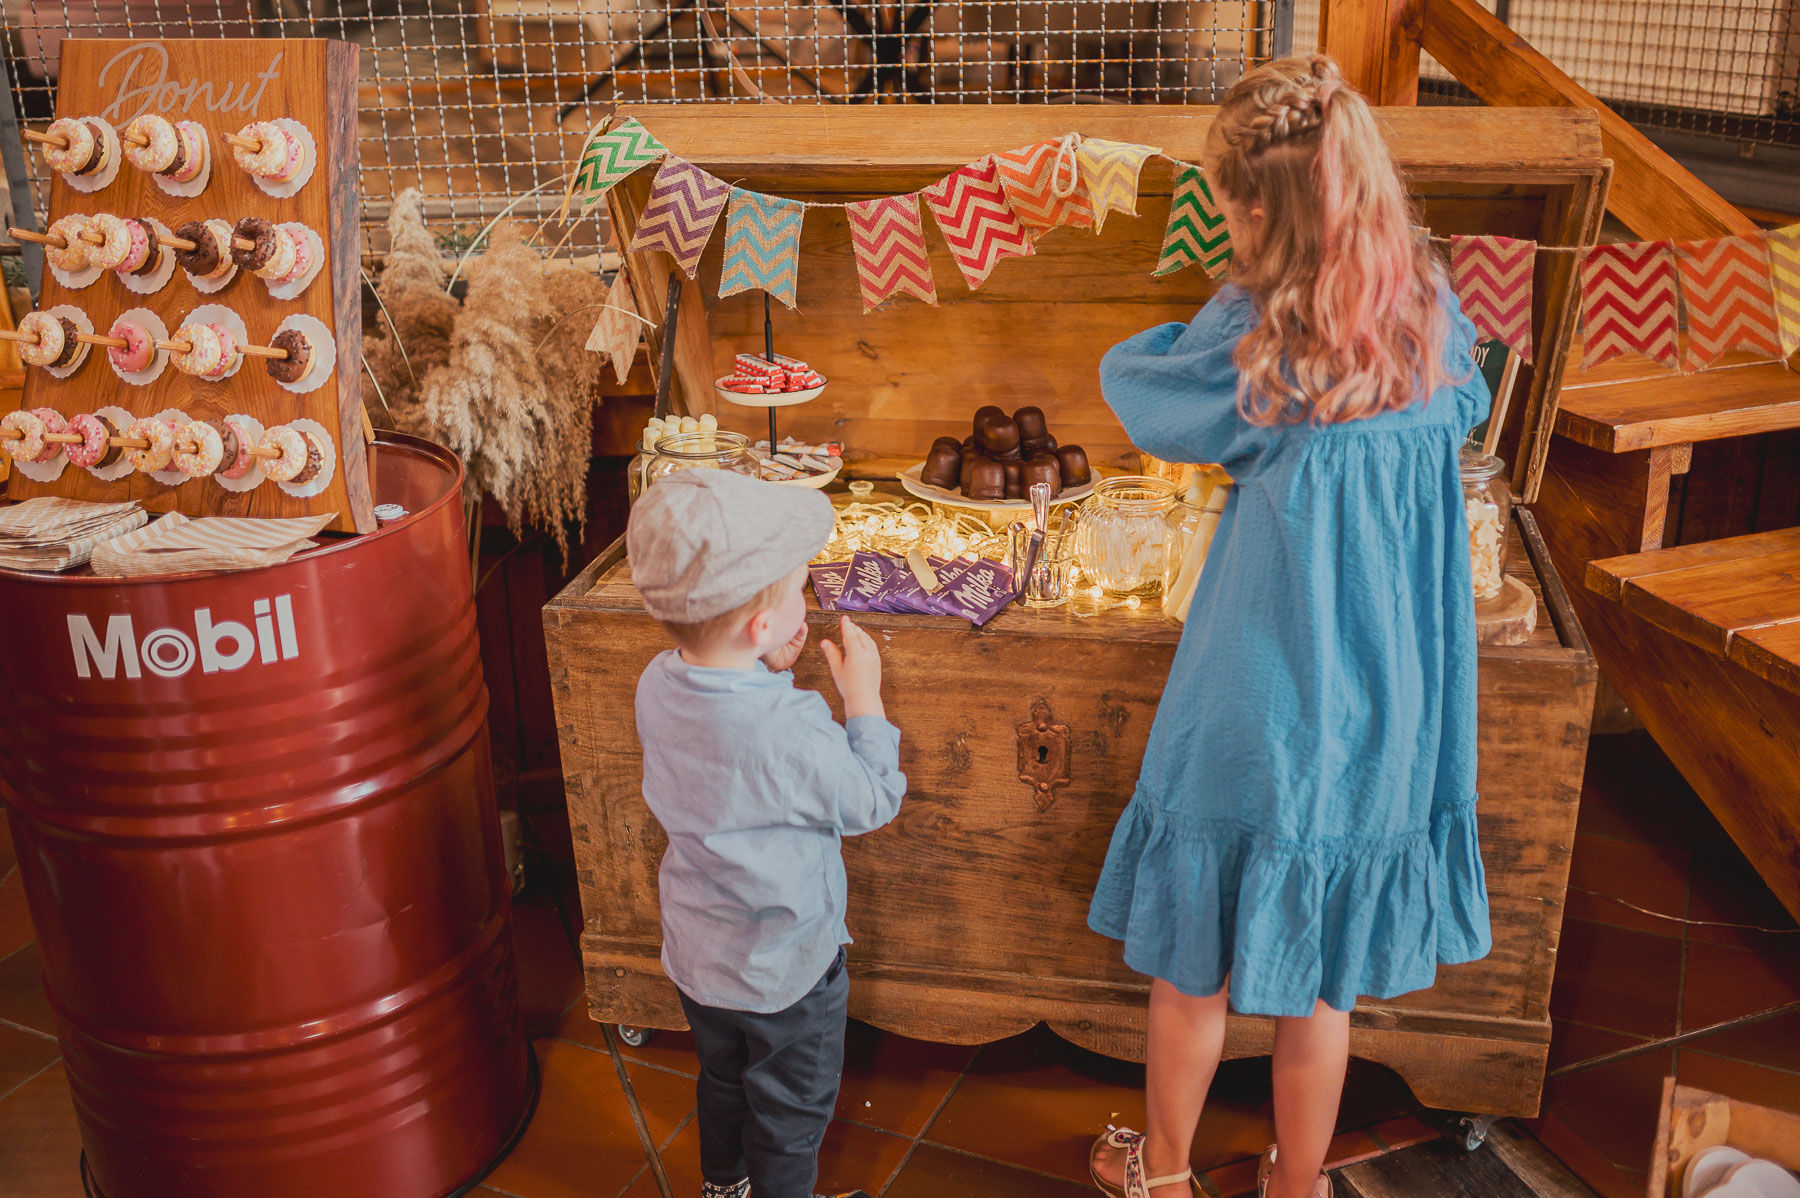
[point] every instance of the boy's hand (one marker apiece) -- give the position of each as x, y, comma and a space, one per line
784, 658
856, 669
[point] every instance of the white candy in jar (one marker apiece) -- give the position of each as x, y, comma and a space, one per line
1487, 541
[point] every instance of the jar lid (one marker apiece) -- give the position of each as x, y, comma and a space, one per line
1478, 467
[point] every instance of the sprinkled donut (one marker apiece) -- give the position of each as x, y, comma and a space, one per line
53, 423
282, 261
211, 256
53, 337
295, 161
161, 146
31, 429
293, 453
204, 351
228, 350
272, 153
262, 236
73, 254
84, 150
160, 434
303, 260
191, 159
238, 458
300, 360
208, 451
111, 254
94, 432
142, 257
139, 351
315, 461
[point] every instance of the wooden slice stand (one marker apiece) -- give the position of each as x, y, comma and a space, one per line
223, 84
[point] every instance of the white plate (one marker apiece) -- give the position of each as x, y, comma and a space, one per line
1710, 1167
909, 478
776, 399
1765, 1178
817, 482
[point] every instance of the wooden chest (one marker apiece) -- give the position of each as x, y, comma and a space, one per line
969, 912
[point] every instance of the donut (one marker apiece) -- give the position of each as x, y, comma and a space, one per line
53, 423
296, 161
94, 432
52, 338
228, 350
315, 461
271, 156
190, 159
204, 351
141, 257
237, 457
293, 453
73, 254
112, 253
85, 148
161, 142
303, 260
211, 255
208, 451
139, 351
31, 430
161, 437
281, 261
259, 231
300, 360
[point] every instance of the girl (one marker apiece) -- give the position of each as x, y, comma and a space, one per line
1303, 830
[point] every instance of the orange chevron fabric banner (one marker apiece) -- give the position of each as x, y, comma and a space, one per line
1784, 258
1730, 301
684, 205
978, 226
1492, 278
1628, 302
887, 239
1031, 178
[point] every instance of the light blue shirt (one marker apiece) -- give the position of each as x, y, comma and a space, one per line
756, 786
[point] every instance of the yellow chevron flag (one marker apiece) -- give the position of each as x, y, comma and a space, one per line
1109, 169
1784, 262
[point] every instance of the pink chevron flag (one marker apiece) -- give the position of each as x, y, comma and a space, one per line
1628, 302
1492, 278
976, 221
1730, 299
1033, 176
887, 239
685, 203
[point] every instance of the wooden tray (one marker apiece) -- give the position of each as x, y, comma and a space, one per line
1693, 1119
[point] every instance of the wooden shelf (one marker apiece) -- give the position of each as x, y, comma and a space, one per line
1646, 410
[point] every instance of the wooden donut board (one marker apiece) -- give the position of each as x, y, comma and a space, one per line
223, 84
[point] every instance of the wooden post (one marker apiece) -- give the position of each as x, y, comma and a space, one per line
1377, 43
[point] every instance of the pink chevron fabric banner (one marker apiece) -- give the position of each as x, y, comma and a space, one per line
1031, 178
977, 224
887, 238
1492, 278
685, 203
1628, 302
1730, 299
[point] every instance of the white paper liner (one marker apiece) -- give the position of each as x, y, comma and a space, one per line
75, 280
289, 291
324, 352
159, 359
81, 356
171, 477
121, 420
211, 286
193, 187
220, 314
308, 161
327, 451
159, 278
88, 184
253, 478
43, 472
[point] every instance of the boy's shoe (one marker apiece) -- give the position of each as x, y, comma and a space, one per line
738, 1189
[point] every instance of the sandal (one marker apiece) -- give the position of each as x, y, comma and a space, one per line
1266, 1166
1136, 1184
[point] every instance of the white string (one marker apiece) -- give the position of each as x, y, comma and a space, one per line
1065, 149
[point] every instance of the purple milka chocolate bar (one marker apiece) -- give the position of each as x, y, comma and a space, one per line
869, 572
902, 592
828, 580
979, 592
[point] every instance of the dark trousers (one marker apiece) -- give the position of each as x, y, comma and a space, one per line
768, 1085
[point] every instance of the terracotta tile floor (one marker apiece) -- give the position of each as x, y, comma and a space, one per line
1013, 1119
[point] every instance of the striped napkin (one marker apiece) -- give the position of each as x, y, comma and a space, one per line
52, 533
176, 544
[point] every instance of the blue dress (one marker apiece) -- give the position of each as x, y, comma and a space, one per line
1304, 821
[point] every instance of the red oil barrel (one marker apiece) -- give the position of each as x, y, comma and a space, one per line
255, 819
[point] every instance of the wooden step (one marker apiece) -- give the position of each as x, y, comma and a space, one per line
1628, 408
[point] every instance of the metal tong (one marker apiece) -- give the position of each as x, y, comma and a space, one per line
1034, 548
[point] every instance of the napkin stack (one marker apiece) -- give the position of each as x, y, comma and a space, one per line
51, 533
176, 544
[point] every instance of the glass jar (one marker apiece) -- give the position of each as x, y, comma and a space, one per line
704, 450
1125, 535
1487, 501
1191, 530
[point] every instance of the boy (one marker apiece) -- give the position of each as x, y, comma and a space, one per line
755, 784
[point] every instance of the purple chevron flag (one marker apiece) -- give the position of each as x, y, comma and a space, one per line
762, 245
685, 203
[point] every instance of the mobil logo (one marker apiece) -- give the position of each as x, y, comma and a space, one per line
214, 645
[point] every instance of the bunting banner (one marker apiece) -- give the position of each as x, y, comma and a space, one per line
1196, 230
607, 157
1628, 302
1726, 286
762, 245
685, 203
1033, 177
1110, 169
977, 225
1784, 257
887, 238
616, 333
1492, 279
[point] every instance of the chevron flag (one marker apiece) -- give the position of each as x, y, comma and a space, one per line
608, 157
762, 245
1110, 171
1196, 231
977, 225
1492, 278
685, 203
888, 240
1784, 258
1029, 178
1628, 301
1726, 286
616, 333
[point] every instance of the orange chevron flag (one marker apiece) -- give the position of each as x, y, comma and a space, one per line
1031, 178
978, 226
1730, 302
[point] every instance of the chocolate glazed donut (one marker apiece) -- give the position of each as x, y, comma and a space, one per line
260, 231
203, 259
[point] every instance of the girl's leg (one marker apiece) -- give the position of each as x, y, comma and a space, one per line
1311, 1057
1186, 1039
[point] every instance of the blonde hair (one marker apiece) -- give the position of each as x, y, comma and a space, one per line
704, 634
1348, 296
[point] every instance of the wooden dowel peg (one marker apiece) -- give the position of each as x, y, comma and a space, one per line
264, 351
176, 243
45, 139
93, 237
248, 144
64, 438
128, 442
242, 243
97, 339
263, 451
135, 139
11, 434
14, 335
175, 347
55, 243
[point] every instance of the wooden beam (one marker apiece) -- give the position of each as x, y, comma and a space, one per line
1651, 192
1377, 44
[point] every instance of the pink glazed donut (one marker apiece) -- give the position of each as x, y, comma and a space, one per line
139, 351
93, 434
53, 423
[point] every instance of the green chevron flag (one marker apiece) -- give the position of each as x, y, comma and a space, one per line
1196, 231
608, 156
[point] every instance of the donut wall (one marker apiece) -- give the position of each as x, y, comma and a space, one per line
200, 322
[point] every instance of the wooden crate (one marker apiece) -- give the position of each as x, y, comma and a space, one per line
1693, 1119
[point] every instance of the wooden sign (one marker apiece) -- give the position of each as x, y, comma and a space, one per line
223, 85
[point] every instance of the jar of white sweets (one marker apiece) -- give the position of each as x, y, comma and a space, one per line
1487, 502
